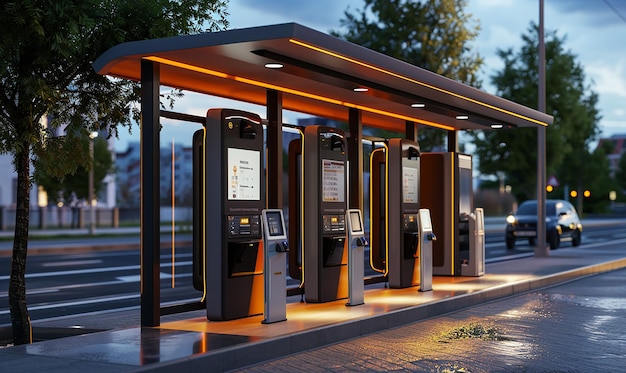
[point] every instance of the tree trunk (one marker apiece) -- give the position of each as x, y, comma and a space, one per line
17, 286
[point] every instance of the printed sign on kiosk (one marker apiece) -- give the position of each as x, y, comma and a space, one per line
231, 197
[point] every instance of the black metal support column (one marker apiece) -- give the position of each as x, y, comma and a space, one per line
150, 181
541, 249
453, 141
355, 157
410, 130
274, 149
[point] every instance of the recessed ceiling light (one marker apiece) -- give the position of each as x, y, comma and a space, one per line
462, 117
274, 65
418, 105
361, 89
497, 126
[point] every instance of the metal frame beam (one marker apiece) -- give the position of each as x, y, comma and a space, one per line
274, 149
410, 130
453, 141
355, 157
150, 181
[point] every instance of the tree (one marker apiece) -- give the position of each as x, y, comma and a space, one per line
595, 176
46, 52
568, 98
433, 35
620, 173
77, 182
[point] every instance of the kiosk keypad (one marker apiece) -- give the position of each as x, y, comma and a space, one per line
410, 222
334, 223
249, 225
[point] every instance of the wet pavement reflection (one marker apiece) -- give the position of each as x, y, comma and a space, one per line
559, 329
138, 346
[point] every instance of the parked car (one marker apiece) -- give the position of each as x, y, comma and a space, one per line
562, 223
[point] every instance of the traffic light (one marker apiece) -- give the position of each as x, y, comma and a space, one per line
573, 194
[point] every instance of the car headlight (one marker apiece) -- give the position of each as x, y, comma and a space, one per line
510, 219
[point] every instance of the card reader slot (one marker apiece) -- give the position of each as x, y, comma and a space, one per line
332, 248
242, 259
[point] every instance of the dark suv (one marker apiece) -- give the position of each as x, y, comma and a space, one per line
562, 223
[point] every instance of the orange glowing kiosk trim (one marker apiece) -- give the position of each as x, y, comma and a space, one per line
385, 272
258, 83
203, 252
301, 214
452, 215
173, 196
396, 75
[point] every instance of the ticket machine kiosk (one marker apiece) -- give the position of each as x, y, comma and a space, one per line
475, 263
395, 202
446, 190
356, 244
323, 260
275, 269
231, 200
427, 237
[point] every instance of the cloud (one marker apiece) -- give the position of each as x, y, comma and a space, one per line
608, 78
321, 15
598, 13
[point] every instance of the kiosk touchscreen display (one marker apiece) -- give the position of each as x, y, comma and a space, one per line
425, 220
274, 224
333, 181
355, 221
244, 175
465, 191
410, 182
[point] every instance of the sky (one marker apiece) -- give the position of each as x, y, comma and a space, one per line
594, 32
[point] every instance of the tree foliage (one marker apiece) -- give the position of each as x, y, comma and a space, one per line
434, 35
46, 52
595, 176
620, 173
77, 182
569, 99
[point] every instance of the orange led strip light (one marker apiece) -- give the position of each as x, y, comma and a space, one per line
396, 75
258, 83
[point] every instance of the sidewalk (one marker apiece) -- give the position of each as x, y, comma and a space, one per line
188, 343
574, 327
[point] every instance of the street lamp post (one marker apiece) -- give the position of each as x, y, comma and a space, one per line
541, 249
91, 198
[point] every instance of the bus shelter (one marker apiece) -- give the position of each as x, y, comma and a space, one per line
291, 67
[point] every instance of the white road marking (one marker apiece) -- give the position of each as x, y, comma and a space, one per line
72, 263
95, 270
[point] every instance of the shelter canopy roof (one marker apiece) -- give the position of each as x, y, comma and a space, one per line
319, 76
